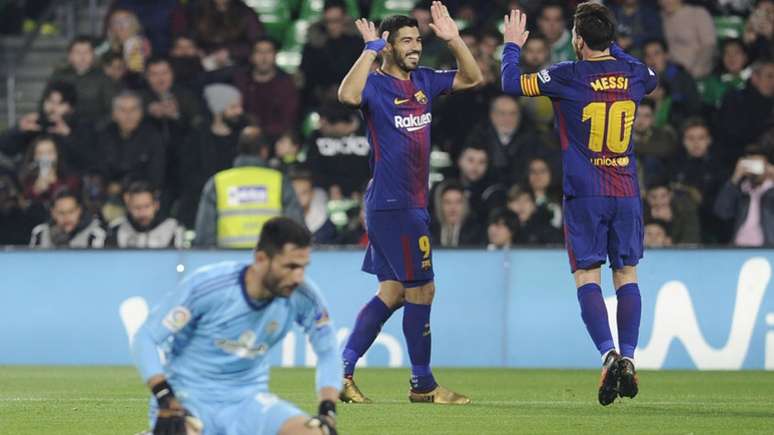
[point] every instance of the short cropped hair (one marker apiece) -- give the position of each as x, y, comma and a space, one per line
661, 42
393, 23
128, 94
252, 142
268, 39
506, 217
694, 121
64, 192
301, 173
66, 90
81, 39
648, 102
595, 24
279, 231
140, 186
156, 60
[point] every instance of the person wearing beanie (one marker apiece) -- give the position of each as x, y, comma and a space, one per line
211, 146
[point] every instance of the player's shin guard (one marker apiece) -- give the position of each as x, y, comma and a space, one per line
416, 329
594, 314
367, 326
628, 317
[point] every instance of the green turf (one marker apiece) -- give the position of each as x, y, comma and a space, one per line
112, 400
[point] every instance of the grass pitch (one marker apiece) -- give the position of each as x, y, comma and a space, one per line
112, 400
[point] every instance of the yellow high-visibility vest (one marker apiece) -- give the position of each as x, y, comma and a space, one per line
248, 196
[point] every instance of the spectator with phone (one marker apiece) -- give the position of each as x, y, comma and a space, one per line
57, 117
44, 172
748, 199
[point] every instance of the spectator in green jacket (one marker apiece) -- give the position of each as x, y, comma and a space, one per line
95, 90
731, 75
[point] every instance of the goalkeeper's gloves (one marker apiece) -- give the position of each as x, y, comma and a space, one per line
325, 420
171, 416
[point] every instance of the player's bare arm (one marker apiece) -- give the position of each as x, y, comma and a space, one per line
468, 73
351, 87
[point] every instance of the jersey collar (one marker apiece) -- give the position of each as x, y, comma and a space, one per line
381, 72
250, 302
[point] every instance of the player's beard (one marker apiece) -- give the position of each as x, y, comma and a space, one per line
403, 63
578, 52
272, 284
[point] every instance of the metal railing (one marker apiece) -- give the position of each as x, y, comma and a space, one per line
15, 57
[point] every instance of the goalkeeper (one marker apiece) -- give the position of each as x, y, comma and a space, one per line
216, 331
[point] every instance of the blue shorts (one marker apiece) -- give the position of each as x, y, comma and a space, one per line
600, 227
399, 246
258, 414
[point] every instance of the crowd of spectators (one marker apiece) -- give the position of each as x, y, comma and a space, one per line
133, 130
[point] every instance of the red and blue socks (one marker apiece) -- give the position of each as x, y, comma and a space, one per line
416, 329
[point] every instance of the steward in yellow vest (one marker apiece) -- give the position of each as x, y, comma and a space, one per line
236, 202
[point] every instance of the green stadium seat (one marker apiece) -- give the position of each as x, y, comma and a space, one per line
384, 8
274, 14
289, 56
729, 26
310, 123
312, 9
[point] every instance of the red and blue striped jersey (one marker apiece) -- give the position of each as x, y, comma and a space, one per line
397, 115
595, 102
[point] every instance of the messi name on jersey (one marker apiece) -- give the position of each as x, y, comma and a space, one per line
413, 122
607, 83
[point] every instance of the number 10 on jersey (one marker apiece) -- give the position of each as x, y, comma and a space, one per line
614, 123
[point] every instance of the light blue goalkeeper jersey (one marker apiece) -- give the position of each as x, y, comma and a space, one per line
216, 340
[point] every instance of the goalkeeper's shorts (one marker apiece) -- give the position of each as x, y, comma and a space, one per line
259, 414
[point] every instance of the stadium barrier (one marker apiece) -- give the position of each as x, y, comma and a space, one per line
702, 309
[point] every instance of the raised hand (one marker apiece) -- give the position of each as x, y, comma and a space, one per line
443, 25
367, 30
515, 23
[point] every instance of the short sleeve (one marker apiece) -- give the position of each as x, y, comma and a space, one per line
554, 82
368, 91
441, 81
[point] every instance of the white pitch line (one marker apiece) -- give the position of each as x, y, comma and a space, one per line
583, 404
66, 399
395, 402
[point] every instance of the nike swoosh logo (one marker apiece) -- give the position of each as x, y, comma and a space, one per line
416, 128
399, 102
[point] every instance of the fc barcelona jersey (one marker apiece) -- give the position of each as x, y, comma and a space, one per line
595, 102
398, 117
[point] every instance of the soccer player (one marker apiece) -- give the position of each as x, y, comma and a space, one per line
595, 99
217, 329
395, 101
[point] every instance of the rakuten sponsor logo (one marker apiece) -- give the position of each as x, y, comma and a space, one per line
413, 122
